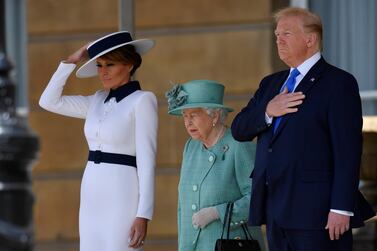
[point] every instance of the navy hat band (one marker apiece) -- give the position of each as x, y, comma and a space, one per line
109, 42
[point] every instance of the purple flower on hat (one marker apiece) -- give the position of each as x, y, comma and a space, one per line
176, 96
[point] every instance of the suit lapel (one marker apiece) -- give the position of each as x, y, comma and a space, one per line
304, 86
311, 77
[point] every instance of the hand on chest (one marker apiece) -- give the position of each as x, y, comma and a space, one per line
314, 107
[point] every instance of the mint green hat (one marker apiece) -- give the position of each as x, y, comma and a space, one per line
195, 94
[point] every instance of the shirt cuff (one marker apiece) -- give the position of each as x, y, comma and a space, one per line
342, 212
268, 119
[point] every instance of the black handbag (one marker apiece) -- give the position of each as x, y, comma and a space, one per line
248, 244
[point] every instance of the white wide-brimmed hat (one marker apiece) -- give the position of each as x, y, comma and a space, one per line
108, 43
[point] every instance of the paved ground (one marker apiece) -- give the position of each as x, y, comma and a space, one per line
365, 239
151, 245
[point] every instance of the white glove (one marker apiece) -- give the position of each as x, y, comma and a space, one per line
204, 216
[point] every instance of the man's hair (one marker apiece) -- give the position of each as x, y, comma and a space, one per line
311, 22
125, 54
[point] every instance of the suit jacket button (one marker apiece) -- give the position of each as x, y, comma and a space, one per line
270, 150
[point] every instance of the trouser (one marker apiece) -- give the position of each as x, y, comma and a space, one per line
283, 239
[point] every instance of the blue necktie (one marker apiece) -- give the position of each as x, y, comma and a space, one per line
290, 84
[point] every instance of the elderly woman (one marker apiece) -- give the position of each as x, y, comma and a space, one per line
215, 168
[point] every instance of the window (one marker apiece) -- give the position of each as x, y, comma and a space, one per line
350, 38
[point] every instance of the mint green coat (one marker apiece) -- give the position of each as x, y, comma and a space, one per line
214, 177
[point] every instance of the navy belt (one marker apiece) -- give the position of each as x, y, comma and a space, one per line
112, 158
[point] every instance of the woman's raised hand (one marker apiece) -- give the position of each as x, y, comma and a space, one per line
77, 56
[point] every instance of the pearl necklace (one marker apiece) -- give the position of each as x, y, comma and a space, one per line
219, 135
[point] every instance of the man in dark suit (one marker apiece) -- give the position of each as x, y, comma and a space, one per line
308, 123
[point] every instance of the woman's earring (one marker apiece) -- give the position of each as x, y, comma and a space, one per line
213, 124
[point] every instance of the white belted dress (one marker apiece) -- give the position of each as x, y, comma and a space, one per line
112, 195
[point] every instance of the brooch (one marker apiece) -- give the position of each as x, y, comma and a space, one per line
224, 149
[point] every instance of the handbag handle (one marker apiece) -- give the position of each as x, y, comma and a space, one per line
227, 219
247, 233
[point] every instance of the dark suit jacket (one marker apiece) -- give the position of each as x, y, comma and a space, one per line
311, 164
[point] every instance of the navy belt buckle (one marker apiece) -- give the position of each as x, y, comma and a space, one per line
97, 157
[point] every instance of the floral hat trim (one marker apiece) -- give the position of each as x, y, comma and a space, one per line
176, 97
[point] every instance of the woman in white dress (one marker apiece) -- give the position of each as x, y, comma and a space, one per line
117, 189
